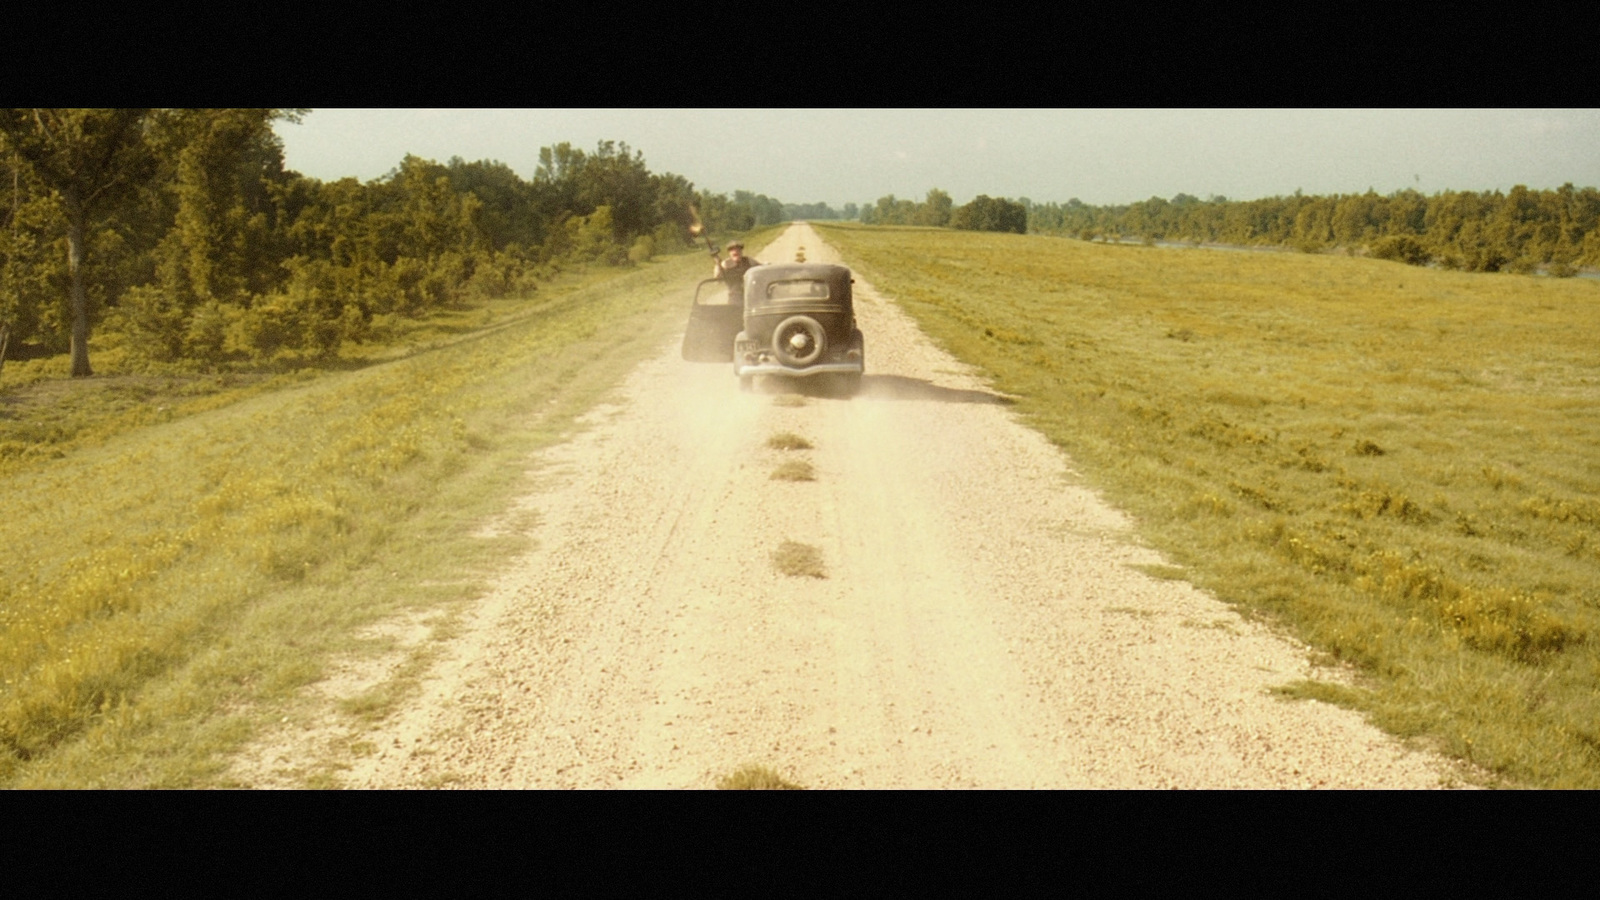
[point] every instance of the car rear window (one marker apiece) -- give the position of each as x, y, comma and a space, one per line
809, 289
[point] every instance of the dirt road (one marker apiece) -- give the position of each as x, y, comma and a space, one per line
981, 623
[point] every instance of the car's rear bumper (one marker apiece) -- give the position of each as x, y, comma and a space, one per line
838, 368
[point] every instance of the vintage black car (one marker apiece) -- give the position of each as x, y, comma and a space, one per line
798, 321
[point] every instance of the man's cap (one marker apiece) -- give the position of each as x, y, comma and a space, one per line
739, 244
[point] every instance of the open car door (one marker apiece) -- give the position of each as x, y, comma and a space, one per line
712, 325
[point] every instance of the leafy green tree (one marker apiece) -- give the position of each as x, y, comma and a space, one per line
31, 268
206, 249
985, 213
763, 209
556, 180
93, 159
507, 213
673, 197
722, 216
225, 223
820, 211
616, 177
892, 211
935, 210
216, 205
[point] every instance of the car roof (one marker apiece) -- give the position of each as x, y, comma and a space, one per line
799, 271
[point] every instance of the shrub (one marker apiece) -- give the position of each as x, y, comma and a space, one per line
643, 248
670, 236
494, 276
1401, 248
207, 332
265, 329
153, 322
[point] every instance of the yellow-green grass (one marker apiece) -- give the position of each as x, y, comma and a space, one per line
794, 470
1401, 465
44, 413
756, 778
788, 440
169, 587
798, 560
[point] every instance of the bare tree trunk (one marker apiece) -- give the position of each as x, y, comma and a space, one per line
5, 338
80, 297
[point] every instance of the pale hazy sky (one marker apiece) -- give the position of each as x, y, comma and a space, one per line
1098, 156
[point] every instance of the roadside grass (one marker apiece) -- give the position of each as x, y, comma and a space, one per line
173, 579
794, 470
44, 413
1400, 465
756, 778
1162, 573
798, 560
788, 440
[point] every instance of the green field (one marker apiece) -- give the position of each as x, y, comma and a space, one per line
184, 554
1401, 466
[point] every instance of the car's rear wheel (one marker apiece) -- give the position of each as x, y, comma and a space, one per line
799, 341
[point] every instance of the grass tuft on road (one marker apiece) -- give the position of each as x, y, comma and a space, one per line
795, 470
756, 778
798, 560
1401, 465
788, 440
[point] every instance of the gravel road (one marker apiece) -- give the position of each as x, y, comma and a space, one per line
982, 622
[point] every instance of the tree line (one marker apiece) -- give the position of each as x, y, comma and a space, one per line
1521, 230
181, 233
937, 210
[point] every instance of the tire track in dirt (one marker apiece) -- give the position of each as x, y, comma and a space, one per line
980, 626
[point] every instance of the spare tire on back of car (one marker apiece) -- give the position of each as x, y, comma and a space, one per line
799, 341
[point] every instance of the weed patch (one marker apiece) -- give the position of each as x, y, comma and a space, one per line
794, 470
798, 560
756, 778
788, 440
